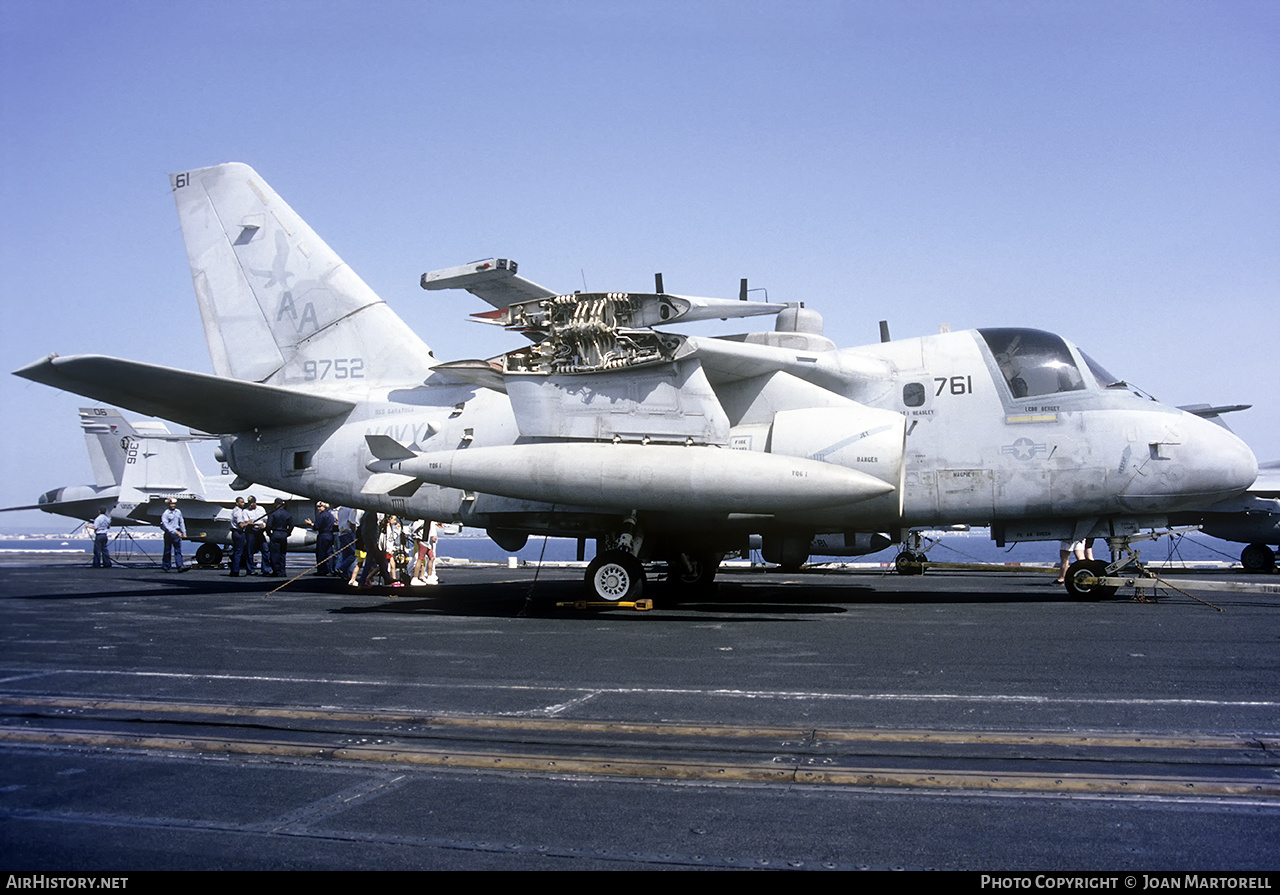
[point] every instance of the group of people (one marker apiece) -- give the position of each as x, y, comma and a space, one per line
171, 523
373, 545
255, 532
361, 546
357, 546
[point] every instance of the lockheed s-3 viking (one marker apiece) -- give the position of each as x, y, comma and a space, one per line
609, 425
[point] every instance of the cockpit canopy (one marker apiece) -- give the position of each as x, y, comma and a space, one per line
1036, 363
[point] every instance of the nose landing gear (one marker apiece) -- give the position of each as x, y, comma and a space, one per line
911, 560
1081, 580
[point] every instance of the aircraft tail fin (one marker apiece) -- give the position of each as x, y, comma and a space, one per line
109, 437
106, 435
162, 467
278, 305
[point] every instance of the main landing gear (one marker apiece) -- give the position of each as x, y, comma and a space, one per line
208, 555
693, 573
1258, 558
616, 574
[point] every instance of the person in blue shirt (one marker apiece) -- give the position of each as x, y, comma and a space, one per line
279, 527
175, 530
326, 529
101, 528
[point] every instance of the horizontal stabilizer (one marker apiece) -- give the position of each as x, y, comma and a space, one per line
204, 402
384, 447
74, 501
472, 372
388, 483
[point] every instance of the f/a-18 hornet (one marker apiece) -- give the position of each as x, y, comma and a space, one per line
660, 446
139, 467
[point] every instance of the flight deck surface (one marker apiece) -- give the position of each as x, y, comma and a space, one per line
959, 720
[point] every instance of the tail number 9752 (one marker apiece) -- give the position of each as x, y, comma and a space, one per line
338, 368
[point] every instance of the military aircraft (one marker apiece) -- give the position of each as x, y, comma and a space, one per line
1252, 518
138, 467
658, 445
107, 436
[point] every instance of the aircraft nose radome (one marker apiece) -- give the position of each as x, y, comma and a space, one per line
1220, 462
1187, 464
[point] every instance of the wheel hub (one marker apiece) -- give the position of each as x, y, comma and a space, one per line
612, 582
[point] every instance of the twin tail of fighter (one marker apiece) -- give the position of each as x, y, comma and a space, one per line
138, 468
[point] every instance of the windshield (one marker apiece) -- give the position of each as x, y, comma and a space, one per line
1033, 362
1104, 378
1107, 380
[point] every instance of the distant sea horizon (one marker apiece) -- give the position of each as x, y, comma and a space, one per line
972, 545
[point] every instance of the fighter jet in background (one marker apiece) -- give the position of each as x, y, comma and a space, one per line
138, 467
658, 445
1252, 519
108, 437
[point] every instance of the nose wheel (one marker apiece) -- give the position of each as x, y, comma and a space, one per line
1083, 571
909, 562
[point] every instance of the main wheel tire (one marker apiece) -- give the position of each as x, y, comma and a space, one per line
693, 572
1257, 558
909, 563
1088, 568
208, 555
615, 575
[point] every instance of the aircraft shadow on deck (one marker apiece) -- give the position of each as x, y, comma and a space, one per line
790, 598
781, 594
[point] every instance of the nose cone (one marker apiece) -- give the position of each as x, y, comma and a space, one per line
1190, 465
1219, 464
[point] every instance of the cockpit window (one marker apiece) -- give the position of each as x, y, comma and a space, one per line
1033, 362
1107, 380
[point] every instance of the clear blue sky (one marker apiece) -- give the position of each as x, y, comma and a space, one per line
1106, 170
